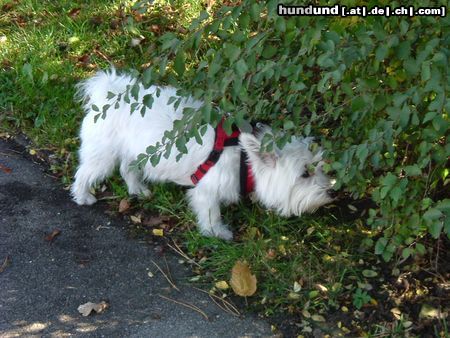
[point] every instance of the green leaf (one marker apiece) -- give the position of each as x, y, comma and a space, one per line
181, 145
147, 76
244, 20
426, 71
148, 100
135, 91
154, 159
444, 205
406, 252
288, 124
206, 112
403, 50
420, 248
435, 228
396, 193
105, 108
381, 52
432, 214
389, 180
380, 246
369, 273
134, 106
413, 170
429, 116
241, 68
269, 51
231, 52
27, 71
362, 152
280, 24
255, 11
179, 63
197, 136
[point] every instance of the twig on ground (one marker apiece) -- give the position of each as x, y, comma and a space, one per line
226, 306
166, 276
5, 264
190, 306
178, 250
167, 267
106, 198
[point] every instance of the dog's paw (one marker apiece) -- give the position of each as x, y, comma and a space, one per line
219, 231
222, 231
146, 193
86, 199
140, 191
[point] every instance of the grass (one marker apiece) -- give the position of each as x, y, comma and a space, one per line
305, 267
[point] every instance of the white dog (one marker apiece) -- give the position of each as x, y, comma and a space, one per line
280, 178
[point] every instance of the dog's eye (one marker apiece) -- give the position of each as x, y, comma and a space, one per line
305, 174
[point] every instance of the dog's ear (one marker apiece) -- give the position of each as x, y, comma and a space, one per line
252, 147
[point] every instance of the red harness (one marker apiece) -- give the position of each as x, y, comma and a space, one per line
223, 140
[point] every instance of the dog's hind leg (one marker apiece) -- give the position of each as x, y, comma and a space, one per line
207, 208
133, 179
94, 167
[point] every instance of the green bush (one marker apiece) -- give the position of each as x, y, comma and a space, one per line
374, 90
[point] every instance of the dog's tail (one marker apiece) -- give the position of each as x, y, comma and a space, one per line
96, 89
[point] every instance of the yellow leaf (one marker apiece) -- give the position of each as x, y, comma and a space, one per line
242, 281
158, 232
32, 152
222, 285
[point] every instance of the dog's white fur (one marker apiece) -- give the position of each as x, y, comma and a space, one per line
121, 137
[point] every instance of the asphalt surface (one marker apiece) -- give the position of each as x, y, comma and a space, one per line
91, 260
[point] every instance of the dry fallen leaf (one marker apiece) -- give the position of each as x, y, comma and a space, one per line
124, 205
74, 12
5, 169
318, 318
136, 219
321, 287
242, 281
51, 237
87, 308
155, 220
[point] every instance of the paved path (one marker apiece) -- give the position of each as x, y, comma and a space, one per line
91, 260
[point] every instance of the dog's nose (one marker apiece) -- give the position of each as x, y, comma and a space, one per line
332, 193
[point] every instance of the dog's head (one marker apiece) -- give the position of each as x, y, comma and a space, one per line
290, 180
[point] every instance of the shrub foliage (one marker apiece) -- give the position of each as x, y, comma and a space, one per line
374, 90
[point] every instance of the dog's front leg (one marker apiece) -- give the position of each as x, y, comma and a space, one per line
206, 205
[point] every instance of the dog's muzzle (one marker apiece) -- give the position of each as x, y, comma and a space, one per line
332, 193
